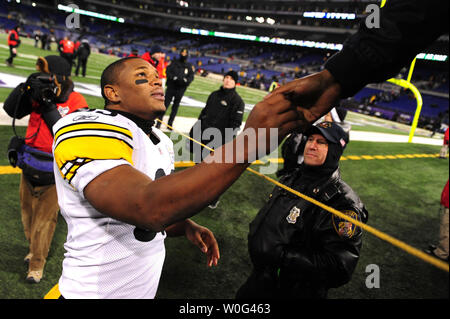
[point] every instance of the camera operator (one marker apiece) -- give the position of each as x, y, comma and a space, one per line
46, 96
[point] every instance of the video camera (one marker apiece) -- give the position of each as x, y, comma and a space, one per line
43, 87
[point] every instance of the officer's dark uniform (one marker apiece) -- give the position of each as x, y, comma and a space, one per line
180, 74
298, 249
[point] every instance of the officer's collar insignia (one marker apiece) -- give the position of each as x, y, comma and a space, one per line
343, 227
293, 215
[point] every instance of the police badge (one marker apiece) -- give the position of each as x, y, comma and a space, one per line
345, 228
293, 215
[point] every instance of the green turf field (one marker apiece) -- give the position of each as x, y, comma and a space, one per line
401, 195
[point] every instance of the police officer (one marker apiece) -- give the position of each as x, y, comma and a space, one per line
298, 249
294, 145
180, 74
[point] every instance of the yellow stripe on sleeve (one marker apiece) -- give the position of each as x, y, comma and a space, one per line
92, 126
71, 153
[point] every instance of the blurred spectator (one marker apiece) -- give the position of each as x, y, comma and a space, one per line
13, 43
444, 149
37, 37
83, 53
157, 58
134, 53
223, 111
66, 50
180, 74
441, 250
44, 39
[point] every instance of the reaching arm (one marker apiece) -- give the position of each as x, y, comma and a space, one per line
126, 194
136, 199
370, 55
376, 54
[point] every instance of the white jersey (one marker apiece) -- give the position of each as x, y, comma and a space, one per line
103, 257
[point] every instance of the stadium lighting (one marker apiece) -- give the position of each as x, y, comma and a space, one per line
294, 42
270, 21
260, 19
248, 18
90, 13
432, 57
329, 15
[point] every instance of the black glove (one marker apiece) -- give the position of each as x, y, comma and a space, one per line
267, 256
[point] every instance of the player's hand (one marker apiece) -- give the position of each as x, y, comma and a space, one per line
313, 96
270, 121
203, 238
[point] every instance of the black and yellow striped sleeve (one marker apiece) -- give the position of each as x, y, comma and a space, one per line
80, 143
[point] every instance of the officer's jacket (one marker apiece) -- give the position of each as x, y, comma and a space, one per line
319, 249
180, 74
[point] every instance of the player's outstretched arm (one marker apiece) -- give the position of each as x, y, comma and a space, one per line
126, 194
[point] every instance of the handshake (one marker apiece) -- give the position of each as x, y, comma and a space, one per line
42, 88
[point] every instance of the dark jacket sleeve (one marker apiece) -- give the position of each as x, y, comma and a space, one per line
19, 99
238, 112
334, 260
190, 76
407, 27
171, 71
203, 113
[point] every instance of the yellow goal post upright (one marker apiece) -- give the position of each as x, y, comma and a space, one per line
408, 85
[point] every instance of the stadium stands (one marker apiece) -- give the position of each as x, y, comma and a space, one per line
259, 64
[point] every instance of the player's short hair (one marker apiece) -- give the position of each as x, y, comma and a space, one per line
110, 75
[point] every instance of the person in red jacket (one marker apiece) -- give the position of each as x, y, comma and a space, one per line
66, 49
157, 58
46, 96
13, 43
441, 250
444, 149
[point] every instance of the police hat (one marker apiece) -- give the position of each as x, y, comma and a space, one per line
332, 132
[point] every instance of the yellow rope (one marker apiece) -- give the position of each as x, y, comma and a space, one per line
402, 245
